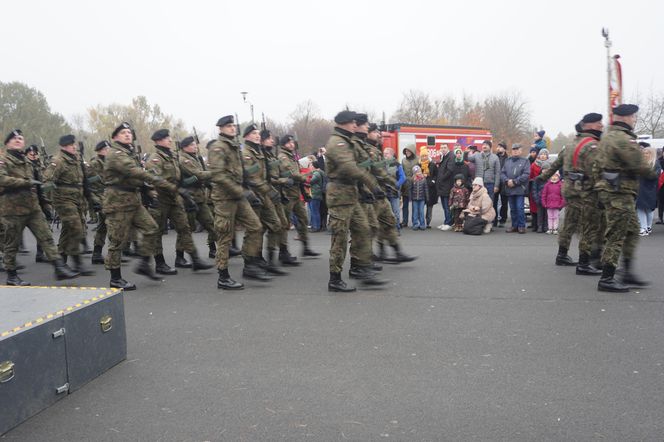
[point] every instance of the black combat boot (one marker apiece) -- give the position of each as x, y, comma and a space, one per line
181, 261
272, 267
306, 251
336, 284
563, 259
119, 283
400, 256
143, 268
585, 268
286, 258
13, 279
226, 282
381, 253
64, 257
2, 264
253, 270
161, 267
197, 263
629, 278
86, 247
62, 270
97, 257
364, 274
233, 250
80, 267
596, 258
607, 283
212, 254
39, 257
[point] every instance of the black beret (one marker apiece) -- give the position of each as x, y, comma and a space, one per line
186, 141
249, 129
101, 145
578, 127
503, 144
117, 130
361, 119
625, 110
265, 134
286, 139
160, 135
488, 143
592, 117
32, 148
644, 144
373, 127
223, 121
66, 140
13, 134
344, 117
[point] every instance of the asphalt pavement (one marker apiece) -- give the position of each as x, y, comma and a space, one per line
481, 338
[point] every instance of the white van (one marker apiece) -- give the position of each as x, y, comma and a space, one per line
657, 143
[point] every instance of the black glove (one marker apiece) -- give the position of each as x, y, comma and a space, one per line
190, 206
274, 196
48, 213
35, 183
378, 193
252, 198
368, 198
289, 182
284, 200
96, 206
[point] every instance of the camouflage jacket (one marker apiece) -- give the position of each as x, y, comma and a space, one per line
255, 169
342, 170
289, 168
65, 173
192, 165
584, 165
97, 169
124, 177
164, 164
17, 195
379, 169
619, 152
365, 158
225, 170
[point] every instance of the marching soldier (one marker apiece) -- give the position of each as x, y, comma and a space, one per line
196, 176
19, 208
97, 189
65, 175
256, 178
272, 162
124, 178
32, 153
619, 165
232, 205
163, 163
346, 214
289, 181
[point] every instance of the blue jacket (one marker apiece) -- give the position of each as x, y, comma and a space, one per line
647, 197
516, 169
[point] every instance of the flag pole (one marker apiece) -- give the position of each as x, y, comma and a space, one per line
607, 45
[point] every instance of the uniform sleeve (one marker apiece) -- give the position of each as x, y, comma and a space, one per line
555, 166
346, 166
187, 166
9, 181
52, 172
218, 174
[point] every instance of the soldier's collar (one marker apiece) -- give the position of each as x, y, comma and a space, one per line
344, 132
619, 125
372, 142
596, 134
164, 150
252, 145
70, 155
17, 153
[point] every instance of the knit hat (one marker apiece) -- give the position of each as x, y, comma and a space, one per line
416, 169
532, 149
546, 165
541, 133
479, 181
544, 150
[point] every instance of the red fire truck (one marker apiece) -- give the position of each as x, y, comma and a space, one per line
400, 135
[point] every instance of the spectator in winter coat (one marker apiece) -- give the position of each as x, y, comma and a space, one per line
553, 202
515, 175
408, 161
459, 196
442, 188
317, 184
646, 200
499, 190
471, 166
537, 212
431, 184
454, 167
394, 170
425, 159
487, 167
481, 204
539, 142
419, 193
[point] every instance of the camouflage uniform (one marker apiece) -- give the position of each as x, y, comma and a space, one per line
367, 201
19, 207
387, 223
191, 165
276, 180
66, 174
164, 164
289, 181
346, 213
230, 206
97, 189
124, 177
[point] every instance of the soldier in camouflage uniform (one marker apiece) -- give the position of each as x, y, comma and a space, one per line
124, 178
193, 165
274, 178
163, 163
289, 182
65, 175
32, 154
97, 189
256, 178
618, 167
19, 208
579, 179
345, 211
232, 204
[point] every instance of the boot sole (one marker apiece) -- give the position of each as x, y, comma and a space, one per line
257, 278
149, 276
230, 288
602, 289
585, 273
62, 278
332, 289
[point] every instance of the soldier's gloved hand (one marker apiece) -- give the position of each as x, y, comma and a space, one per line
252, 198
378, 193
190, 206
284, 200
274, 195
32, 182
190, 181
93, 179
96, 206
48, 213
290, 182
184, 193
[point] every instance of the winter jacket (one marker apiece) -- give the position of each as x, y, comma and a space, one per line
459, 197
419, 191
431, 183
424, 160
536, 186
646, 199
317, 184
442, 187
552, 195
453, 169
516, 169
487, 167
408, 164
481, 200
395, 170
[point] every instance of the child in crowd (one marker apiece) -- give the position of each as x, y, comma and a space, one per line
553, 201
419, 194
459, 196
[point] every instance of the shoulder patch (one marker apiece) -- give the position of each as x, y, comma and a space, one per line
53, 164
341, 143
216, 149
155, 160
187, 161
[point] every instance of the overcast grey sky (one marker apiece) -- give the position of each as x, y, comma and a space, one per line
194, 58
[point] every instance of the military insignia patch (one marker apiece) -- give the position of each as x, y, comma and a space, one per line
53, 164
155, 160
341, 144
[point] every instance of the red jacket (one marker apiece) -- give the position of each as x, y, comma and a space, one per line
552, 197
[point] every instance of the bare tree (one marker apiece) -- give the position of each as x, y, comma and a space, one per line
311, 130
416, 108
507, 116
651, 115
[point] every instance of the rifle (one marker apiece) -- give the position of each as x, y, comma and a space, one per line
43, 156
237, 131
86, 186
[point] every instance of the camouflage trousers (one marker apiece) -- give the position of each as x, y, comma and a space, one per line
344, 219
571, 222
204, 216
295, 205
371, 211
267, 214
387, 223
72, 232
280, 240
226, 215
14, 226
622, 227
2, 236
174, 212
592, 225
100, 235
120, 224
